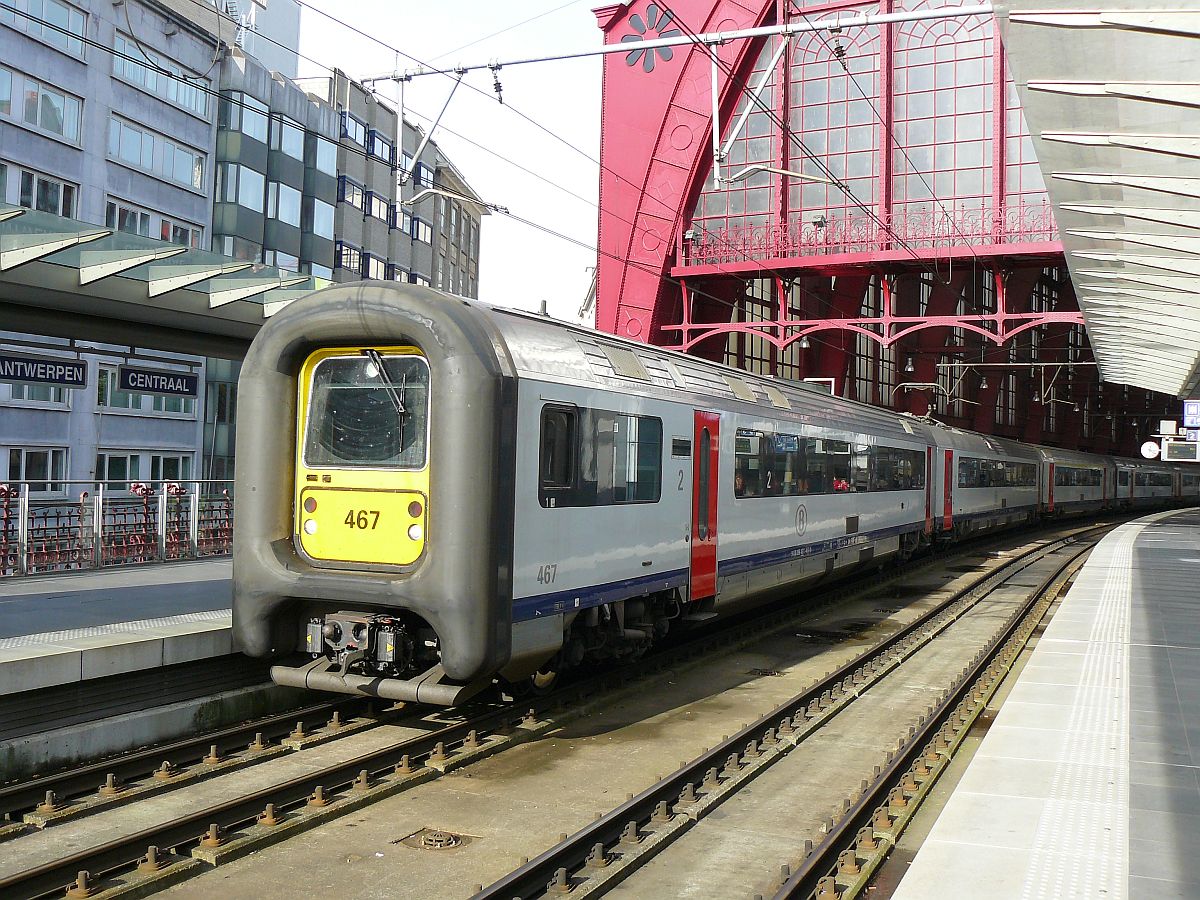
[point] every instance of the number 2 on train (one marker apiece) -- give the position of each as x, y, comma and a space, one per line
362, 518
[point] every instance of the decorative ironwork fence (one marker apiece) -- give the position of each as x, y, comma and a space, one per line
929, 230
109, 526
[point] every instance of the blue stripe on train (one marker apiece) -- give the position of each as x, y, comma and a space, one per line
583, 598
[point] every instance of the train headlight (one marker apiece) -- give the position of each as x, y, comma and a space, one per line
310, 504
310, 526
414, 532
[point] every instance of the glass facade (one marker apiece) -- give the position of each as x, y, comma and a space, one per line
903, 157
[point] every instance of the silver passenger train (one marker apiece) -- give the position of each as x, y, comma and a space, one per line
434, 495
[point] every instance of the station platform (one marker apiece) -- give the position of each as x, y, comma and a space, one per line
1087, 784
61, 629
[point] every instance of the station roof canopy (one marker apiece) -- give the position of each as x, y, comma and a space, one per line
72, 279
1111, 93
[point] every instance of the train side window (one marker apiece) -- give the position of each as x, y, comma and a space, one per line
558, 448
1123, 478
968, 472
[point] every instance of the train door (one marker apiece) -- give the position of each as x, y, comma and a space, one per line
1050, 489
929, 490
705, 458
948, 490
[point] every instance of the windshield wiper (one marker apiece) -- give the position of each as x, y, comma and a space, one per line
388, 385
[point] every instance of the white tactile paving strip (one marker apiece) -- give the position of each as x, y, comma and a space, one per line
32, 661
1044, 809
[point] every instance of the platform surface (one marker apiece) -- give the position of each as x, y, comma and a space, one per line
1086, 785
63, 628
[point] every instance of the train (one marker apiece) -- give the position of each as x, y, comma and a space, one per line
435, 496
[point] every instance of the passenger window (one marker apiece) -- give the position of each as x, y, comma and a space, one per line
592, 457
558, 448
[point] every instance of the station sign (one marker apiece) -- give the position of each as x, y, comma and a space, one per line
1181, 451
25, 368
159, 381
1191, 413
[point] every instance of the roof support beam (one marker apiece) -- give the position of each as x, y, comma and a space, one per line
97, 264
164, 279
18, 249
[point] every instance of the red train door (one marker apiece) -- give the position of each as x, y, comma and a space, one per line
705, 463
948, 485
1050, 489
929, 490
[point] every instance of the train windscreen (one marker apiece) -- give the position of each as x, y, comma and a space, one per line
365, 417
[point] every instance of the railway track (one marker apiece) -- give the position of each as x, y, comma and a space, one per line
222, 831
610, 850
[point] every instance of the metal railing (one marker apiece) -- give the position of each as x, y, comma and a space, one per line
63, 526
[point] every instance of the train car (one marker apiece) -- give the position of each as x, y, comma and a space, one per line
988, 482
1189, 485
435, 495
1154, 484
1073, 483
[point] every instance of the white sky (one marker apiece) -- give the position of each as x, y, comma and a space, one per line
520, 266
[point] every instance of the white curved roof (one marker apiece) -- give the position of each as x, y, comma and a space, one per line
1111, 92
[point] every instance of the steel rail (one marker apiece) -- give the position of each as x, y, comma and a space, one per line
822, 861
531, 879
22, 796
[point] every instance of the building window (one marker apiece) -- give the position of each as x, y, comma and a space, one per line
396, 273
43, 469
40, 393
323, 155
237, 248
281, 260
401, 218
241, 185
415, 278
115, 470
287, 137
317, 218
173, 467
374, 267
240, 112
316, 270
379, 147
45, 107
180, 233
130, 219
422, 231
351, 193
47, 194
283, 203
166, 403
159, 76
108, 393
54, 22
406, 164
155, 154
376, 206
6, 91
347, 257
423, 175
354, 129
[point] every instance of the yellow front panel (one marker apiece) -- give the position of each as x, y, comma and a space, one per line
368, 515
385, 527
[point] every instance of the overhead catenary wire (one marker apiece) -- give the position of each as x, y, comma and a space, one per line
362, 152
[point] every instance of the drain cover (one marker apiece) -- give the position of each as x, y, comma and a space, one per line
439, 840
763, 673
434, 839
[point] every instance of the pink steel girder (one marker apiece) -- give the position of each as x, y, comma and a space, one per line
886, 329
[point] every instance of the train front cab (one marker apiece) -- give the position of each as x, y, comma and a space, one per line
358, 409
